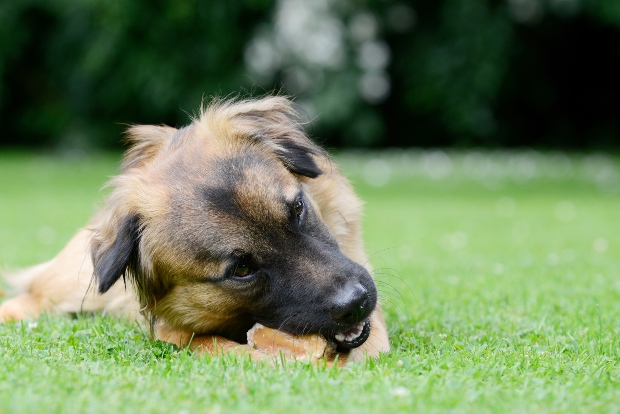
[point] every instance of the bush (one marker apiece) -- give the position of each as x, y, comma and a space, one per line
74, 71
367, 72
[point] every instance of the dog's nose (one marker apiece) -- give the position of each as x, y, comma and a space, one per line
353, 307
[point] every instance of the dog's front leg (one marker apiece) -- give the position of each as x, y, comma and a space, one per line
209, 344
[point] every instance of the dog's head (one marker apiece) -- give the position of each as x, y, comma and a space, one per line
217, 228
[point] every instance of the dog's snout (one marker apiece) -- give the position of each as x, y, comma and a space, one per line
353, 307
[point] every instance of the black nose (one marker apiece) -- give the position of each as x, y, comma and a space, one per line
353, 307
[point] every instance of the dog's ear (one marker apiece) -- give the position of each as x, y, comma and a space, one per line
113, 258
275, 121
297, 158
115, 244
145, 142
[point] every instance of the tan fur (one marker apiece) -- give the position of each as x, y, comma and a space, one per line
62, 285
169, 292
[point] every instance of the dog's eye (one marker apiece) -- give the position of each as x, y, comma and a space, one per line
299, 208
243, 269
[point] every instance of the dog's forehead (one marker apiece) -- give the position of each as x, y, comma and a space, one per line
250, 185
217, 200
242, 181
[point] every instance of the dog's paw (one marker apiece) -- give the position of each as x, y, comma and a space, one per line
19, 308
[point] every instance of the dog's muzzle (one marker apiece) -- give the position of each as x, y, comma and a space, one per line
352, 312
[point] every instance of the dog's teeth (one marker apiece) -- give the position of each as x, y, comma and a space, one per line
352, 334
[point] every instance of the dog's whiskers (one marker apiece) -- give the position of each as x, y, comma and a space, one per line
376, 253
281, 327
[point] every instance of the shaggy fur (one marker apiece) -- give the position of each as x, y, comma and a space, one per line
241, 187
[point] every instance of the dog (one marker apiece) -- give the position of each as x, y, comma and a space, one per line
236, 219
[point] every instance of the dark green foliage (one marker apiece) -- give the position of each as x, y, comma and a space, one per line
72, 71
458, 72
490, 73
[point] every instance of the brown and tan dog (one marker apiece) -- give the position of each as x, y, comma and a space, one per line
234, 220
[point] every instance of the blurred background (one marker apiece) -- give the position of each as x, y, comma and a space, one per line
369, 73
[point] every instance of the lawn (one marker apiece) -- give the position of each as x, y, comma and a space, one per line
499, 273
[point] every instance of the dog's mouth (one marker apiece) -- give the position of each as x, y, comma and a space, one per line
353, 337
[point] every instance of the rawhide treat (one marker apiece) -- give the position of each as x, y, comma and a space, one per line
310, 347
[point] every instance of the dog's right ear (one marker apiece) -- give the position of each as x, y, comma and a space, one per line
274, 120
113, 259
145, 142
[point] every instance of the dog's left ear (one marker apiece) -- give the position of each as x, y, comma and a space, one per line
275, 121
114, 259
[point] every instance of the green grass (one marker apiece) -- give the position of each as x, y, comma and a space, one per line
499, 273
